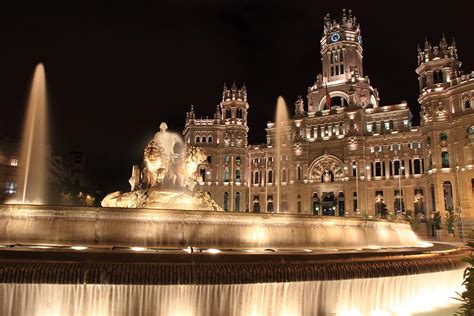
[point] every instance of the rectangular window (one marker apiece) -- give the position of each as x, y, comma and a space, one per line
386, 125
369, 127
14, 162
417, 166
378, 169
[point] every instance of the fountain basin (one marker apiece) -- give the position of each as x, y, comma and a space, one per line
153, 228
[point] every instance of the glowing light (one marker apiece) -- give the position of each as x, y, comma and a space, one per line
188, 250
137, 248
79, 247
308, 250
40, 247
213, 251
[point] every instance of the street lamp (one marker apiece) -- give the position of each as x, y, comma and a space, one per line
354, 167
401, 168
458, 203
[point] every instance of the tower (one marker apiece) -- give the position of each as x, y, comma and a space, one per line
341, 47
446, 98
437, 67
224, 140
342, 82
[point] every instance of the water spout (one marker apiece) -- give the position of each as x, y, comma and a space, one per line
33, 158
281, 125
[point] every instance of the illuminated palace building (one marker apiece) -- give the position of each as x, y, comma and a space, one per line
345, 152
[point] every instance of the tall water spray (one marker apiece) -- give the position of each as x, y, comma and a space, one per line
281, 126
33, 158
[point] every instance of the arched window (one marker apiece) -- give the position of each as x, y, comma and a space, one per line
226, 201
380, 207
237, 175
444, 159
467, 104
227, 113
396, 167
270, 207
237, 202
419, 202
270, 176
339, 101
209, 139
239, 113
298, 172
354, 169
256, 204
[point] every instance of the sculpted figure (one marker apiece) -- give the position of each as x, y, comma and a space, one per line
193, 157
153, 158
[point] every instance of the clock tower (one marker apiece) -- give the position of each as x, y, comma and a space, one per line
341, 48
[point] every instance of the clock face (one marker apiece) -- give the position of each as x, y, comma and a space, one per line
335, 37
359, 39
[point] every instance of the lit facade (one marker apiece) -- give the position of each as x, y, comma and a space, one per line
344, 152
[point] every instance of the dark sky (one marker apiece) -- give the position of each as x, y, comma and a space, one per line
115, 72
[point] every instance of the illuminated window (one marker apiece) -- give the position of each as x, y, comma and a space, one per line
10, 187
444, 159
14, 162
369, 127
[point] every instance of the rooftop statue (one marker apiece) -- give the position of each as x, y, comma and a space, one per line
167, 179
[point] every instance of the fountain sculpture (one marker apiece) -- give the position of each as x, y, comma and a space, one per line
167, 179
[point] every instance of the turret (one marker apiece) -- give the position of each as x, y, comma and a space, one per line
437, 65
234, 104
341, 47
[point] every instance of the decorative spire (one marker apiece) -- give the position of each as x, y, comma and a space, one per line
443, 45
427, 45
234, 86
244, 88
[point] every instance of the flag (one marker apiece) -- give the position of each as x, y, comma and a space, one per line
328, 99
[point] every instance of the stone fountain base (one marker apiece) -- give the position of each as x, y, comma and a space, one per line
162, 199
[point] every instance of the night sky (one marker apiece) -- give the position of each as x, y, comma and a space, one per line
115, 72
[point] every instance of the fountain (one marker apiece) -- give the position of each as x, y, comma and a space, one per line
33, 158
161, 249
281, 126
167, 179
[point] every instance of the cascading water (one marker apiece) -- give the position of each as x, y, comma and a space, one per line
400, 295
281, 122
33, 158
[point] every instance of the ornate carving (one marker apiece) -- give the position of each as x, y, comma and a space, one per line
324, 165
